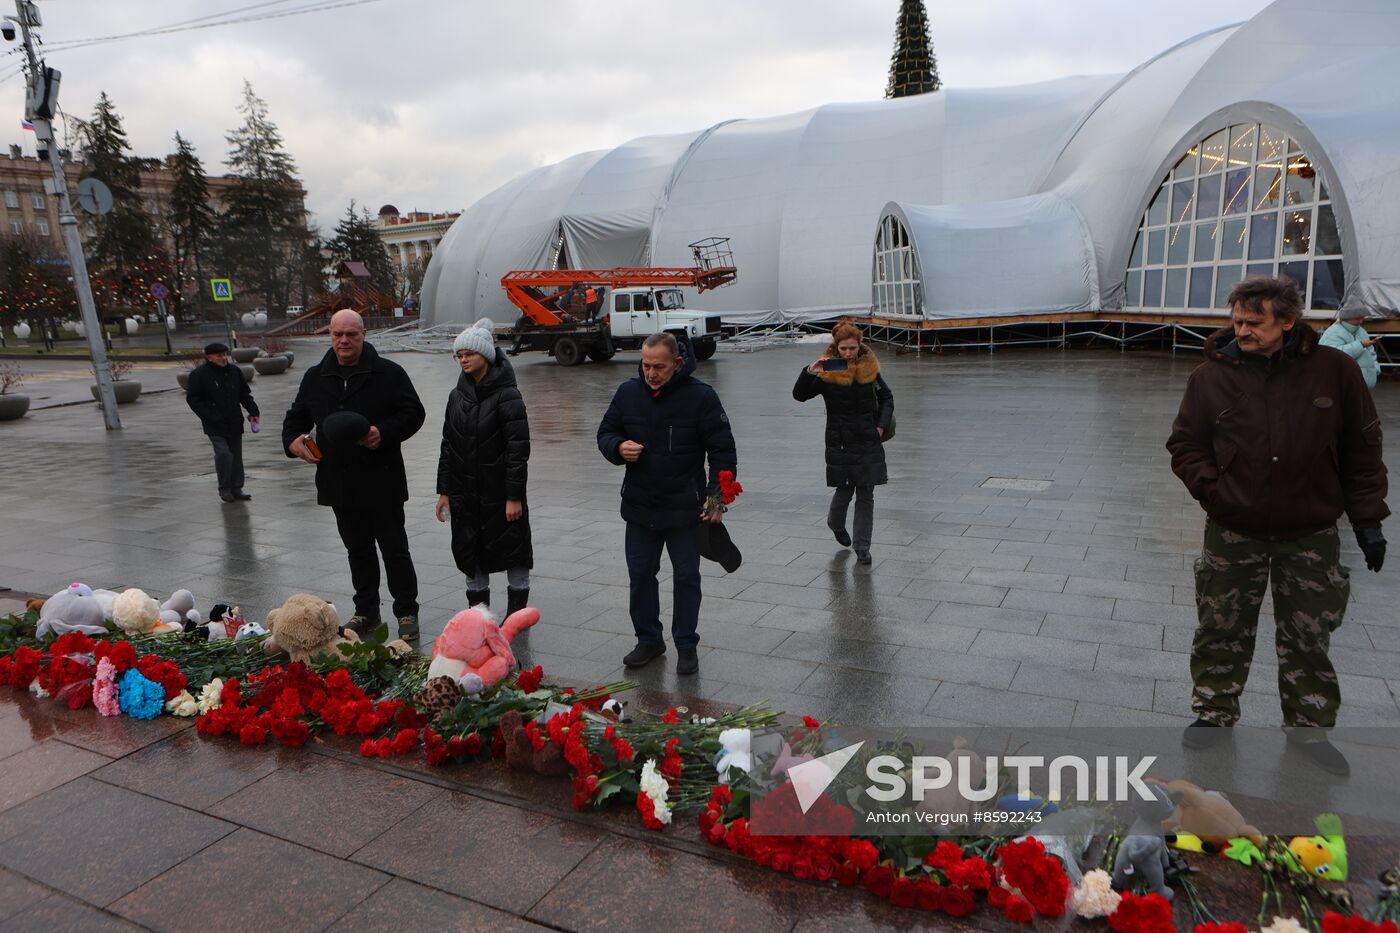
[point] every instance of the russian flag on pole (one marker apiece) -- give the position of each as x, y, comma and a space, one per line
26, 125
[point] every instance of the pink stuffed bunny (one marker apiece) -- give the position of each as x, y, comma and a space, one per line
474, 652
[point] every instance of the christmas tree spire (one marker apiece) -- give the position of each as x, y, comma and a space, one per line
913, 66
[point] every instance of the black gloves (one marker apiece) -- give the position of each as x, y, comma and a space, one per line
1372, 544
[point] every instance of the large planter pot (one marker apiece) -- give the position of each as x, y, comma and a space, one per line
126, 391
13, 406
249, 373
271, 365
291, 357
184, 379
244, 354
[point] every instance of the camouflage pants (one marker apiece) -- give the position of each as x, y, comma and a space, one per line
1311, 589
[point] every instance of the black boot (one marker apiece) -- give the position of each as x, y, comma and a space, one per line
478, 598
516, 599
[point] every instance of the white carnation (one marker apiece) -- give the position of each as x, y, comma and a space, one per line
182, 705
1095, 896
211, 696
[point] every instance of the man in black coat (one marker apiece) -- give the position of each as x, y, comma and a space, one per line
362, 478
216, 391
662, 425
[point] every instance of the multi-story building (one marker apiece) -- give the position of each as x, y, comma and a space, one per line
26, 208
411, 237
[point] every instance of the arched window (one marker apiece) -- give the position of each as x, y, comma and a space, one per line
898, 287
1243, 201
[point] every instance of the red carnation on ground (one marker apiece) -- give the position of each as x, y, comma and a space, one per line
252, 734
1145, 913
971, 873
1019, 909
879, 880
1333, 922
902, 892
958, 902
944, 856
529, 681
928, 894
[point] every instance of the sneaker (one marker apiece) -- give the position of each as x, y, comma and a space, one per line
1322, 752
1203, 734
842, 537
362, 625
687, 661
241, 495
863, 557
643, 654
408, 628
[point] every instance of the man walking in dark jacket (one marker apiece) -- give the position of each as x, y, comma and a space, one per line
1276, 438
362, 478
215, 392
661, 426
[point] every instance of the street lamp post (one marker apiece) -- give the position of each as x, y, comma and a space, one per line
41, 104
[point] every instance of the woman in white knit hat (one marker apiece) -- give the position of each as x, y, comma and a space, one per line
482, 471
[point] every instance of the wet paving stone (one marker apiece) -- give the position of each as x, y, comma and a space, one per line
250, 881
623, 884
67, 914
457, 845
326, 803
404, 905
191, 770
97, 842
42, 767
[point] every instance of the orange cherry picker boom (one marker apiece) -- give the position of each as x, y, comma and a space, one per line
573, 313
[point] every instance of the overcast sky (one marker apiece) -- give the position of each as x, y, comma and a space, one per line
430, 104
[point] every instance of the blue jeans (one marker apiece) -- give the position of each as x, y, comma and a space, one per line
643, 548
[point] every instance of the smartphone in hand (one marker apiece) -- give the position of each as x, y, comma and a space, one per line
835, 365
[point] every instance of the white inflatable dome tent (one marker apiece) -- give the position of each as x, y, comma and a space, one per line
1264, 146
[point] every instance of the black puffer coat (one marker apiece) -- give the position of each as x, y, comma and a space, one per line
484, 459
381, 391
679, 425
857, 402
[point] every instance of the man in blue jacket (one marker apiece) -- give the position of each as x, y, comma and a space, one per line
661, 426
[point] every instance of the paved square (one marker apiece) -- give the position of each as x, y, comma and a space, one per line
988, 602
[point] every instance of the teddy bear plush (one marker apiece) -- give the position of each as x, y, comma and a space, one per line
73, 609
474, 651
304, 627
520, 751
136, 613
1208, 815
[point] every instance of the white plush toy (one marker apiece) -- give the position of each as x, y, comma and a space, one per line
179, 610
73, 609
138, 614
105, 599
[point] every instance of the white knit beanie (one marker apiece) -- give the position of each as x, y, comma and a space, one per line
478, 339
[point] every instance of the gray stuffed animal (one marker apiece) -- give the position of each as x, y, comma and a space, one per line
1143, 852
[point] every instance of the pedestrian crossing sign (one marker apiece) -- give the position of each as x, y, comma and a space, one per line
223, 289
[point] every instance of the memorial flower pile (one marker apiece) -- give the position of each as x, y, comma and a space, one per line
662, 765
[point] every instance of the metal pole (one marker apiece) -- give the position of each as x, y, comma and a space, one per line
165, 323
43, 134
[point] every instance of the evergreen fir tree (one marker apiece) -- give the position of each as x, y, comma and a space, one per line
191, 220
125, 239
264, 222
913, 66
355, 239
